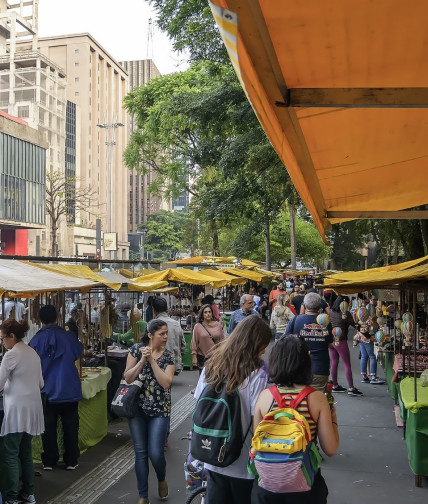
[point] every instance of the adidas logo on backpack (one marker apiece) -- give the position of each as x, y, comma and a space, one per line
285, 458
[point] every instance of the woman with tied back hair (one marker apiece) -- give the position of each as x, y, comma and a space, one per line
237, 361
281, 315
21, 379
154, 365
290, 371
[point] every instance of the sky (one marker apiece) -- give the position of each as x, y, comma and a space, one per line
119, 26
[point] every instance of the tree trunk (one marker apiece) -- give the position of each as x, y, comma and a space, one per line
292, 235
267, 242
54, 244
216, 245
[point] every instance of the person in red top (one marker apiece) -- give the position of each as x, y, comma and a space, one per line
274, 293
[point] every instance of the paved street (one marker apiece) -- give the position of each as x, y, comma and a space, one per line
370, 466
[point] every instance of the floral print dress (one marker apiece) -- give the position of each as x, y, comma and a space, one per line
155, 401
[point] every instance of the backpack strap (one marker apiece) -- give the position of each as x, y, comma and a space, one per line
298, 399
280, 401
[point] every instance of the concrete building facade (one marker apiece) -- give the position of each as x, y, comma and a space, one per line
140, 202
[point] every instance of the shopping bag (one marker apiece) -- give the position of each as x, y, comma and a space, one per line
125, 401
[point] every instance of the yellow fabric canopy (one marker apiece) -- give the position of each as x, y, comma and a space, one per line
181, 276
23, 279
339, 88
396, 274
212, 260
243, 273
223, 276
78, 271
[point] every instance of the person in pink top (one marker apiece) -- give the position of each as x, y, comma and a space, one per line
206, 334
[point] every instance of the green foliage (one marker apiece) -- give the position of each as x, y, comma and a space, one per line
347, 239
191, 26
165, 234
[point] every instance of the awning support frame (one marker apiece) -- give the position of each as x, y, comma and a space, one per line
377, 214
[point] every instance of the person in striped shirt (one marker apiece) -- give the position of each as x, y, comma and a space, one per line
290, 369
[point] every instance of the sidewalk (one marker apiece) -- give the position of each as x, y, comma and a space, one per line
370, 465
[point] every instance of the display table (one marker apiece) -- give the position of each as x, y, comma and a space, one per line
187, 357
416, 426
92, 412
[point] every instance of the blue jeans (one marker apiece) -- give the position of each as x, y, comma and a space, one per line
148, 437
367, 352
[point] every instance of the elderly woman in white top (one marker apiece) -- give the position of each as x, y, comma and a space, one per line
21, 380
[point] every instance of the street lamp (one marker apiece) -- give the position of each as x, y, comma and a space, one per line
110, 143
143, 234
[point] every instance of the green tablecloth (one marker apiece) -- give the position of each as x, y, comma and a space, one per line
407, 389
389, 373
187, 357
416, 425
92, 414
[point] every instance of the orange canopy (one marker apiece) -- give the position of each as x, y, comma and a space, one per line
340, 89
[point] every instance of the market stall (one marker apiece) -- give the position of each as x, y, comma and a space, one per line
403, 344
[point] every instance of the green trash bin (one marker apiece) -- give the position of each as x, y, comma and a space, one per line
187, 357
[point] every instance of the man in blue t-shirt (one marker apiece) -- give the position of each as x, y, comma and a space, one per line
58, 350
317, 338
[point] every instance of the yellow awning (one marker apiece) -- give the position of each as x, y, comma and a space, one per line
212, 260
243, 273
20, 278
340, 89
179, 275
78, 271
223, 276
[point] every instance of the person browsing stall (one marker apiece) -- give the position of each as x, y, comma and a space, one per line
21, 380
154, 364
58, 350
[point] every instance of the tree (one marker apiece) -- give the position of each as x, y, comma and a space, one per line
62, 195
166, 234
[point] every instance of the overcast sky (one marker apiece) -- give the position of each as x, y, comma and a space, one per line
119, 26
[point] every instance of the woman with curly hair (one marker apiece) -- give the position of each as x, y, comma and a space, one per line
237, 361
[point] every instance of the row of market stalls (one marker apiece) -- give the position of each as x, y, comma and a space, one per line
402, 342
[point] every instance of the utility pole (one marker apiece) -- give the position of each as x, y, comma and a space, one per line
110, 143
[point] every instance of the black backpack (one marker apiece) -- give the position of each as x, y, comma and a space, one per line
217, 436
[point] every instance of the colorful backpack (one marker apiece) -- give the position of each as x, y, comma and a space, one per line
284, 456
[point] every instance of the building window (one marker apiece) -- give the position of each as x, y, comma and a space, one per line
76, 64
76, 51
76, 93
76, 79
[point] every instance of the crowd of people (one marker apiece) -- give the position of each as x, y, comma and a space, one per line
41, 385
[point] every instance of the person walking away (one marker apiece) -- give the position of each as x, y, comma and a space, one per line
247, 308
153, 363
21, 380
206, 334
297, 301
281, 316
237, 360
290, 371
274, 293
317, 338
339, 348
15, 308
58, 350
176, 343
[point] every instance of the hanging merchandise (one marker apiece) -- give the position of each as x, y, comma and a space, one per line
344, 306
323, 320
381, 321
337, 333
398, 323
407, 317
380, 337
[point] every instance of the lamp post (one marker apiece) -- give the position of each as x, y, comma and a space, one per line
143, 234
110, 143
